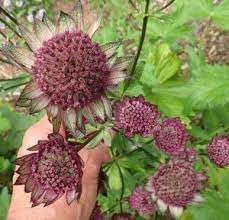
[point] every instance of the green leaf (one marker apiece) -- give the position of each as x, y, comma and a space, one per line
166, 63
114, 178
5, 124
4, 203
4, 165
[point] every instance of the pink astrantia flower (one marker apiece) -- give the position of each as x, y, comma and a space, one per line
70, 73
218, 150
174, 186
122, 216
170, 136
135, 116
140, 200
53, 170
97, 213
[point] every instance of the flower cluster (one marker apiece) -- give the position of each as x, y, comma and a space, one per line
50, 172
140, 200
122, 216
135, 116
218, 151
70, 73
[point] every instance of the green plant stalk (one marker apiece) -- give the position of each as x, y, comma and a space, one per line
7, 14
142, 39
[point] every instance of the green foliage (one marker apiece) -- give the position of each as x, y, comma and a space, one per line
4, 203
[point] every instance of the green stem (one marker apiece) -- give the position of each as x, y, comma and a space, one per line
142, 39
123, 187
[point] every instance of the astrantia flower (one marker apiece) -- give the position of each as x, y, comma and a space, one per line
174, 186
97, 213
218, 151
135, 116
52, 171
122, 216
70, 72
141, 201
170, 136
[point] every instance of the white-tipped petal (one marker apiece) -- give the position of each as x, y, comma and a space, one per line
22, 57
116, 77
77, 15
65, 23
153, 196
176, 211
94, 27
198, 198
42, 30
30, 38
50, 25
148, 186
107, 106
122, 63
110, 48
98, 108
161, 205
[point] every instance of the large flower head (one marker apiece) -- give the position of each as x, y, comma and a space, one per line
140, 200
174, 186
218, 151
53, 170
70, 72
135, 116
170, 136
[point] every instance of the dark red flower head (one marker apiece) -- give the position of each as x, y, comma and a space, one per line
170, 136
50, 172
97, 213
218, 150
140, 200
122, 216
135, 116
174, 186
71, 70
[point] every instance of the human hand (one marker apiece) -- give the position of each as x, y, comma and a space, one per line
93, 159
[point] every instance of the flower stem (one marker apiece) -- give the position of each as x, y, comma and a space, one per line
7, 14
142, 39
10, 27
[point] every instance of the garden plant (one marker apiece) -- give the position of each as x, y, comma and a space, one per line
147, 78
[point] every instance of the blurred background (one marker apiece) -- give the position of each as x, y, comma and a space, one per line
194, 33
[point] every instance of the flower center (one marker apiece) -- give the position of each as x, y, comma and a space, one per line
71, 70
58, 168
175, 185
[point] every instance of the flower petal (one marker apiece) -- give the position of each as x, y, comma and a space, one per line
52, 111
198, 198
79, 121
42, 31
65, 23
50, 25
23, 102
116, 77
21, 180
34, 148
87, 113
30, 38
77, 15
161, 205
39, 200
70, 120
110, 48
21, 57
22, 160
122, 63
99, 110
24, 169
55, 136
39, 103
37, 193
107, 106
71, 195
94, 27
176, 211
52, 197
30, 185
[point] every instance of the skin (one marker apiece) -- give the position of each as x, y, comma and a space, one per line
20, 208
